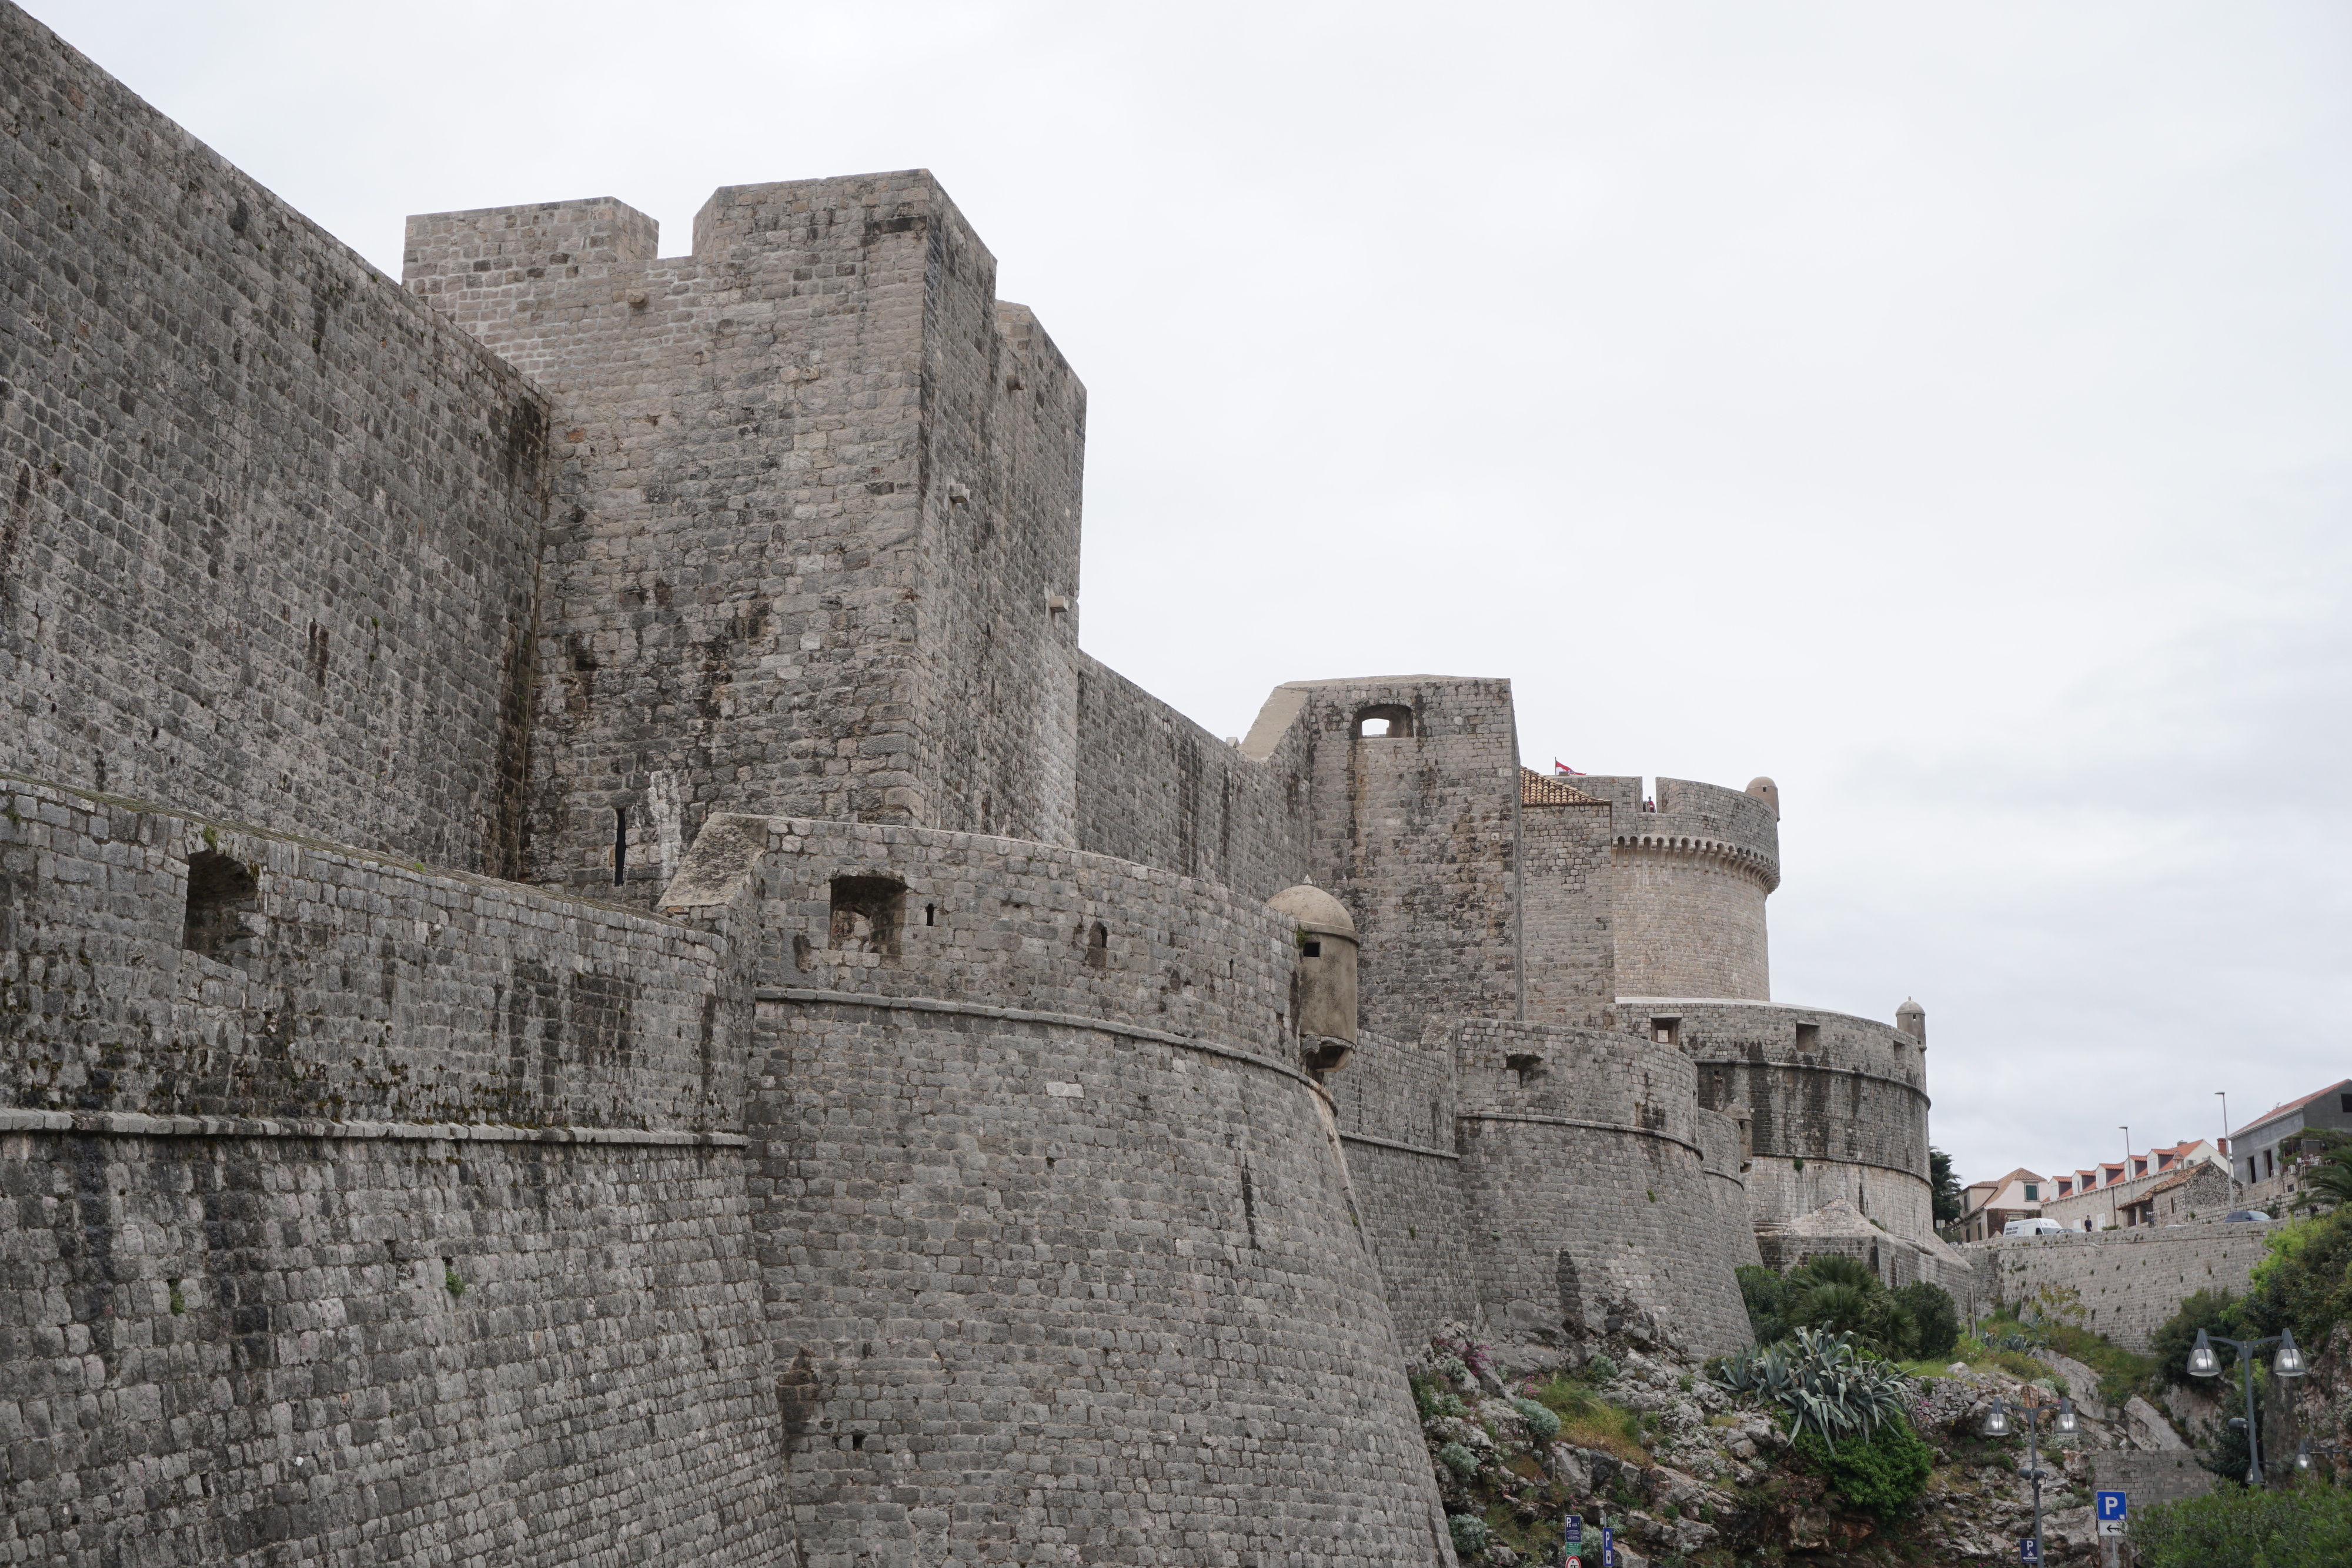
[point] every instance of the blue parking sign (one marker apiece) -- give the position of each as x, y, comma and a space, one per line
1574, 1530
1607, 1546
2113, 1505
2029, 1550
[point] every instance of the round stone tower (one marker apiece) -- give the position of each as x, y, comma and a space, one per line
1693, 866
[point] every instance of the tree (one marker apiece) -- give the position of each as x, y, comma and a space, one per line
1936, 1321
1949, 1201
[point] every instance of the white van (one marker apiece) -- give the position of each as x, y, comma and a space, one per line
2036, 1227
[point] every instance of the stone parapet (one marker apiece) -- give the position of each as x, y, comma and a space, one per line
341, 987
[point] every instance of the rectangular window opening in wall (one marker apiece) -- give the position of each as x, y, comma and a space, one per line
1809, 1037
865, 913
1667, 1031
620, 845
1384, 721
2344, 1104
221, 893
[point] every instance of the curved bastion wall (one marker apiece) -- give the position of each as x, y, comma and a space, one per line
1084, 1271
1590, 1192
1836, 1106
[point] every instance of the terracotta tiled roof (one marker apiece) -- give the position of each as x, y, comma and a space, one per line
2277, 1111
1541, 790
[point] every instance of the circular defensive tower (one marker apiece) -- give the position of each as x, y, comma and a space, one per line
1693, 865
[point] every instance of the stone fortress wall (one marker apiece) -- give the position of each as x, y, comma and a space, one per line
403, 1206
2124, 1282
267, 525
810, 1073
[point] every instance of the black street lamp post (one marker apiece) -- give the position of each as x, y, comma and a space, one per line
1995, 1425
2288, 1363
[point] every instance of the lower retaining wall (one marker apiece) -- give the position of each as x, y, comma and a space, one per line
308, 1343
2120, 1283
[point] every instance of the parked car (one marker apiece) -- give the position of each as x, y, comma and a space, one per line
2033, 1227
2244, 1214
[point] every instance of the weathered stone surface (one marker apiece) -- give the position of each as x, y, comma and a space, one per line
577, 773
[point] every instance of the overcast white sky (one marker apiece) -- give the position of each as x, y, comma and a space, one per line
1944, 409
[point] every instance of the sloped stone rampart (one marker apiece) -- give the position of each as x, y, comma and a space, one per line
1586, 1189
1042, 1285
2121, 1283
390, 1346
268, 526
1395, 1104
1836, 1105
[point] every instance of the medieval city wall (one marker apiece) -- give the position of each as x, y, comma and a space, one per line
1154, 787
344, 988
1395, 1104
1586, 1189
268, 526
408, 1218
2123, 1283
1836, 1105
1038, 1178
306, 1341
1416, 832
1566, 914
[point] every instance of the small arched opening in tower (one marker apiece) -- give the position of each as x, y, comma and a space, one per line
1099, 947
1383, 721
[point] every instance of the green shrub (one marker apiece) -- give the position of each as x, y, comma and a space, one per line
1543, 1425
1936, 1321
1458, 1459
1765, 1294
1469, 1533
2304, 1282
1600, 1369
1879, 1474
1826, 1383
2237, 1527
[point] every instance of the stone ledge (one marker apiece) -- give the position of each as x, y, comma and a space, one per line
1023, 1015
1664, 1137
1393, 1144
137, 1124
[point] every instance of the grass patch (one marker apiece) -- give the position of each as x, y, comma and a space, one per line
1589, 1421
2122, 1373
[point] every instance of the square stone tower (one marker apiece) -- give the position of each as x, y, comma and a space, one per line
814, 536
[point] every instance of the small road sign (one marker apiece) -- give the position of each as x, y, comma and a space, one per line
1574, 1530
2029, 1550
2111, 1508
1607, 1546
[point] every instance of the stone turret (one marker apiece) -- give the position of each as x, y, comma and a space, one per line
1912, 1019
1323, 987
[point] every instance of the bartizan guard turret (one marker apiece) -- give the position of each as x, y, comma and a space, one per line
1323, 987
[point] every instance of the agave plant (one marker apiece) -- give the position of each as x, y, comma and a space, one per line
1824, 1382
